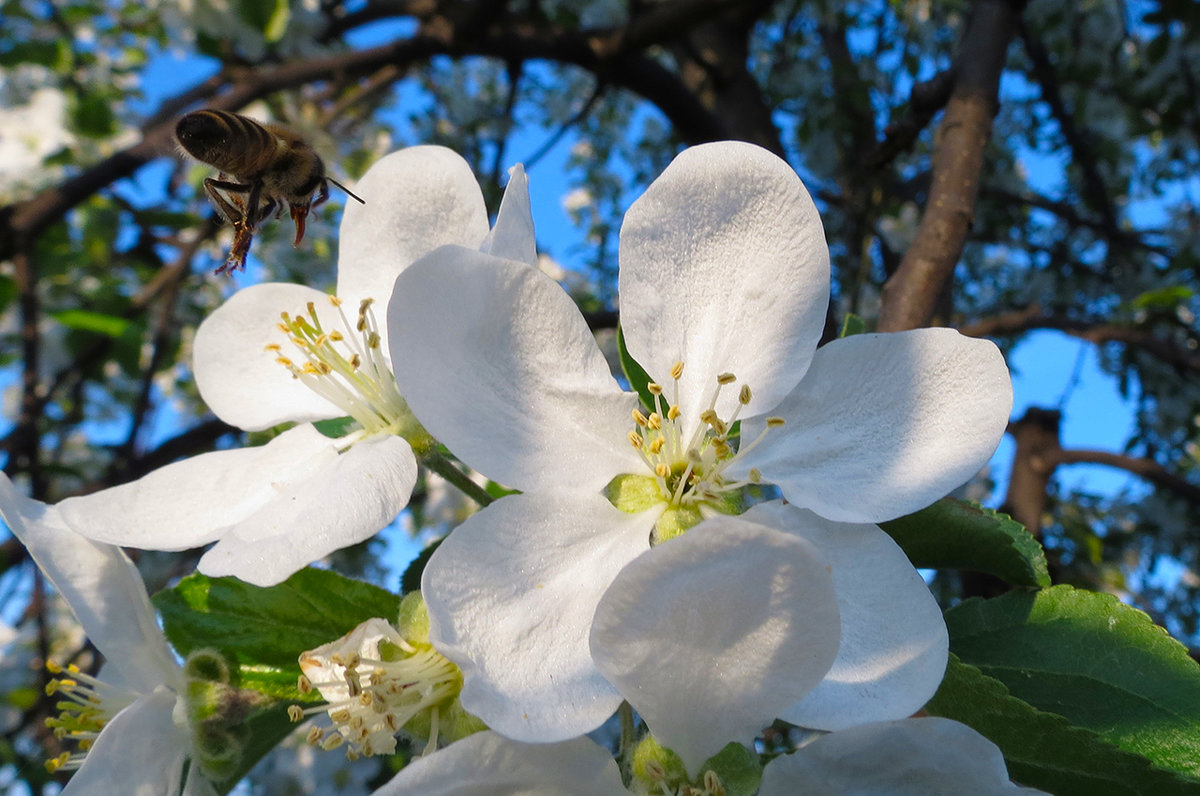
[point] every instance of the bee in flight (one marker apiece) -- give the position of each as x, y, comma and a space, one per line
263, 168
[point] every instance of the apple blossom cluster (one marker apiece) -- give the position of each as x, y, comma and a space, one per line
696, 553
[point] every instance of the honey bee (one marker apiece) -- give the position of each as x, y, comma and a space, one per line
263, 167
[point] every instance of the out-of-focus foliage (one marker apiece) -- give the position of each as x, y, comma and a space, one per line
1087, 222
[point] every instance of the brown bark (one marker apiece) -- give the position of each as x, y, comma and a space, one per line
910, 296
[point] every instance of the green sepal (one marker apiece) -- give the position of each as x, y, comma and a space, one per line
635, 374
958, 534
738, 768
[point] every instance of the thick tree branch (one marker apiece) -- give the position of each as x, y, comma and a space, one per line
1034, 317
911, 294
925, 101
605, 53
1148, 469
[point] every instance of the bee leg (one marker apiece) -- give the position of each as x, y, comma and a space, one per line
216, 190
244, 216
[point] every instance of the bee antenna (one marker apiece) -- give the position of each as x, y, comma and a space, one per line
349, 192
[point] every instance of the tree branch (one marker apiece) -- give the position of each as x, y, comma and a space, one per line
1148, 469
1034, 317
911, 294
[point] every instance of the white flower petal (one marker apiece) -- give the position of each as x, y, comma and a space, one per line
724, 266
139, 753
511, 594
512, 237
910, 757
894, 643
102, 587
885, 424
192, 502
237, 377
497, 363
488, 763
709, 634
348, 500
417, 199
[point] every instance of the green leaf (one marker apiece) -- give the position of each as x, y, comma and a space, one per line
335, 427
852, 325
637, 377
1089, 657
957, 534
410, 581
269, 18
266, 629
88, 321
53, 54
1043, 749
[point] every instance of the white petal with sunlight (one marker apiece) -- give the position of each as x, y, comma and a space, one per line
488, 764
349, 499
497, 363
894, 643
237, 377
417, 199
511, 594
724, 266
885, 424
193, 502
709, 634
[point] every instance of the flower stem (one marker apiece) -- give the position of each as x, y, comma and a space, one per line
446, 469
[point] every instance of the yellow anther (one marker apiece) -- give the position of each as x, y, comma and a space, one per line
364, 305
654, 421
657, 445
673, 413
709, 417
745, 395
718, 425
304, 685
355, 361
755, 475
272, 347
333, 741
635, 439
654, 389
53, 667
56, 763
335, 301
677, 371
320, 341
639, 418
295, 714
726, 378
340, 716
662, 470
373, 340
283, 327
775, 422
336, 336
311, 307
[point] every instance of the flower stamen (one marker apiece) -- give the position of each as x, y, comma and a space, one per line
350, 371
